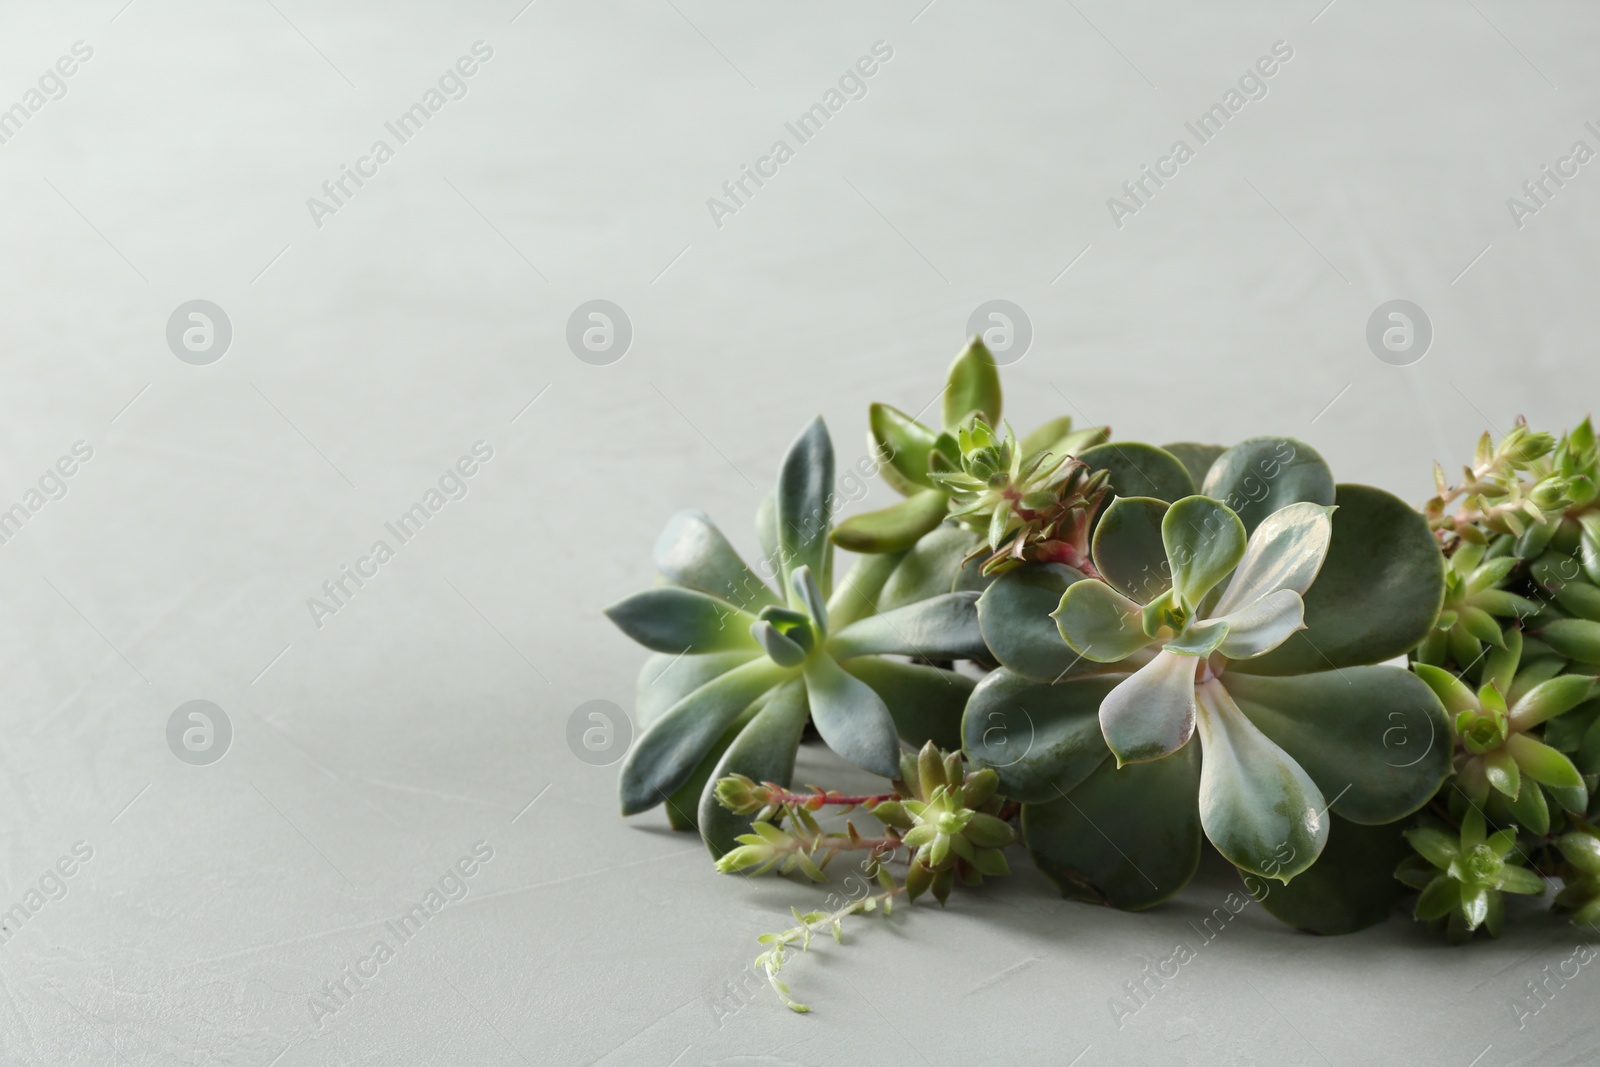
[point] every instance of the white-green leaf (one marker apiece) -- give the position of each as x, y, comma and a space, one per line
1263, 624
675, 620
805, 483
692, 552
1285, 552
1258, 806
941, 627
1151, 713
1099, 623
1204, 542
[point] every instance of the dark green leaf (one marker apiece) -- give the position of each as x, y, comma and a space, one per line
1261, 475
1015, 613
926, 703
1351, 887
1138, 469
1128, 550
1039, 738
1196, 458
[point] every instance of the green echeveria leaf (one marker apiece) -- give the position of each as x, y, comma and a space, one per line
1039, 738
1258, 807
974, 386
926, 703
1015, 614
1542, 763
683, 806
1138, 469
805, 483
1129, 838
780, 649
1128, 550
1261, 475
1285, 551
806, 597
904, 443
666, 752
1151, 713
1196, 458
764, 751
693, 553
1099, 623
852, 719
676, 620
1262, 626
664, 680
1351, 887
1377, 594
896, 527
767, 535
941, 627
1204, 542
1375, 738
857, 594
932, 567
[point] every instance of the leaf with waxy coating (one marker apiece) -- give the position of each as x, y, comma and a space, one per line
805, 484
1099, 623
664, 680
1375, 738
762, 751
1376, 596
896, 527
675, 620
1128, 549
941, 627
926, 703
1015, 614
1129, 838
1204, 542
1351, 887
852, 719
1260, 627
1037, 737
1196, 458
1263, 474
1138, 469
693, 553
1151, 713
1286, 551
1261, 810
974, 386
666, 752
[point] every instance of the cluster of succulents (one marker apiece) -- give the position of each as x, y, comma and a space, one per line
1121, 655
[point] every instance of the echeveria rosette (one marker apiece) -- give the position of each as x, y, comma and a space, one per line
1462, 877
1371, 739
741, 667
911, 453
1257, 805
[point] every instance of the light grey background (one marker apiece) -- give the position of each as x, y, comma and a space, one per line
368, 354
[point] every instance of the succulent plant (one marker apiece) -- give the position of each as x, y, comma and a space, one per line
1462, 878
741, 668
1103, 682
965, 466
1180, 648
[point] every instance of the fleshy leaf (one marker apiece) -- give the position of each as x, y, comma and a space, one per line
852, 719
941, 627
1263, 625
665, 753
676, 620
926, 703
1374, 739
1285, 551
683, 806
1196, 458
1204, 541
1261, 810
896, 527
805, 596
1039, 738
664, 680
932, 567
904, 443
693, 553
1138, 469
1377, 594
1351, 887
1128, 838
974, 386
1099, 623
780, 649
857, 594
1151, 713
762, 751
1258, 476
1542, 763
805, 483
1128, 550
1015, 614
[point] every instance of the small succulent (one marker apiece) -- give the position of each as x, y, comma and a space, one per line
741, 668
1580, 896
915, 455
1475, 600
1496, 730
1462, 879
950, 819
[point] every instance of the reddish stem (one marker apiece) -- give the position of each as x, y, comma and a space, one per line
827, 799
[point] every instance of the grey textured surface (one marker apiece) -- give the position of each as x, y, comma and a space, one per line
372, 752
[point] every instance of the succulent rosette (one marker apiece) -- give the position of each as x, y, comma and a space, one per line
741, 666
1222, 678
